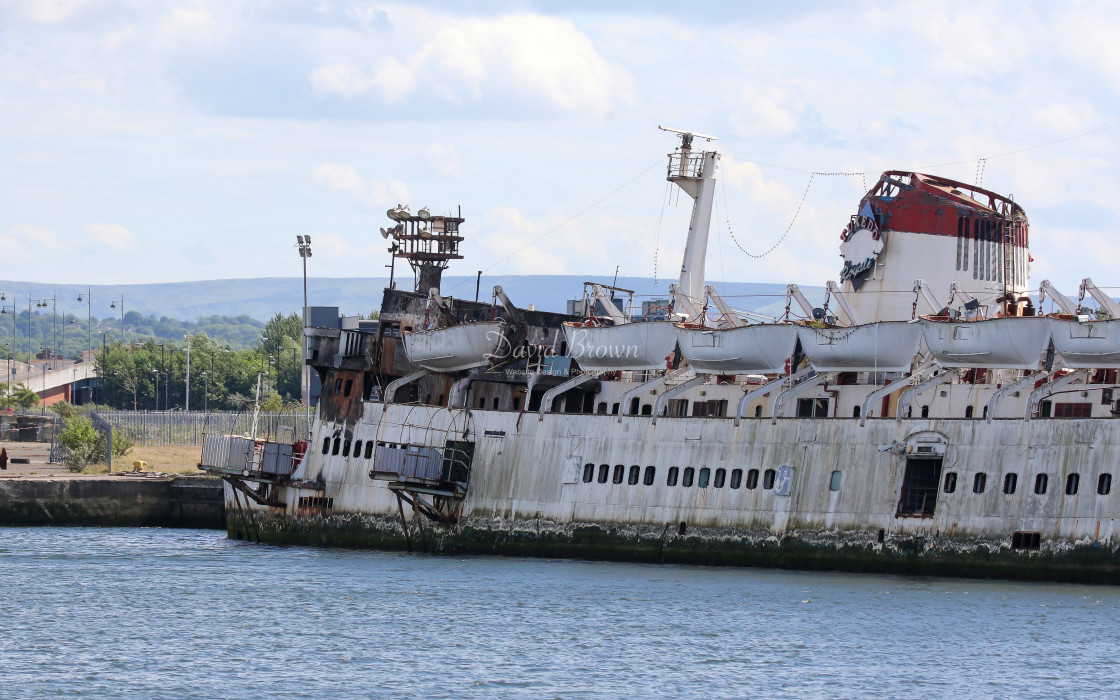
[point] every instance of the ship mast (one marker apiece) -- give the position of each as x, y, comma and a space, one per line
695, 174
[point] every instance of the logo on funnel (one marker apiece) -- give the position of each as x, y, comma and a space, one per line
860, 246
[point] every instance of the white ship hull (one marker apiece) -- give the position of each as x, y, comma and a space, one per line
888, 346
454, 348
1087, 344
758, 349
1007, 343
630, 346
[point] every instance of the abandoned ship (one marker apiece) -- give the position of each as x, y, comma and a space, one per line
927, 418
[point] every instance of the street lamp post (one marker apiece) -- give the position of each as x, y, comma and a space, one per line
52, 301
113, 306
304, 245
89, 317
155, 372
12, 344
29, 300
206, 392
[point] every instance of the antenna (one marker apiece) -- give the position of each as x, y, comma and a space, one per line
687, 136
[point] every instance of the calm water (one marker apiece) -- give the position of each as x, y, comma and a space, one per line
188, 613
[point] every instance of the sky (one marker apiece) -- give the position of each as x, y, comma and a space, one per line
194, 139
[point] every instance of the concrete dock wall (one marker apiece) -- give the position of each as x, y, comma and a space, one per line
113, 501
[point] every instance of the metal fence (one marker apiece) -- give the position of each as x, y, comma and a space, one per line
179, 428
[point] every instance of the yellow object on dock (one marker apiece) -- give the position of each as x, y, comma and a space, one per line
139, 465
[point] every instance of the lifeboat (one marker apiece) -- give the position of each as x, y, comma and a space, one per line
454, 348
627, 346
1014, 342
885, 346
1086, 344
759, 349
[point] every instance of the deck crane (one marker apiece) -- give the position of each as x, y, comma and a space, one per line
1046, 289
921, 291
1107, 303
972, 307
730, 317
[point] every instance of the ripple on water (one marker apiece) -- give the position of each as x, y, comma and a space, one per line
106, 612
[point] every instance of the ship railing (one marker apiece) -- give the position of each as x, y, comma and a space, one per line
686, 165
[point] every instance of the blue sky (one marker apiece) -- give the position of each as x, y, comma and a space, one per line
195, 139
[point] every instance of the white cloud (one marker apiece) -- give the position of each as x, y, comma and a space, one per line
343, 177
464, 59
186, 19
51, 11
391, 79
339, 177
113, 235
26, 242
444, 158
330, 245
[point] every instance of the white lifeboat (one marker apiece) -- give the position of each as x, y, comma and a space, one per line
1013, 342
1087, 344
759, 349
454, 348
884, 346
627, 346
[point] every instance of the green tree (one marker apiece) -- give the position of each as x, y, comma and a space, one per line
85, 444
20, 396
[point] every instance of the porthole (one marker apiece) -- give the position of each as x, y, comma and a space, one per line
688, 476
705, 477
369, 448
950, 482
346, 448
634, 476
1104, 484
337, 445
736, 478
768, 478
1010, 482
1040, 483
979, 483
752, 479
357, 449
650, 474
619, 473
1073, 482
834, 481
588, 473
721, 478
604, 473
326, 445
671, 478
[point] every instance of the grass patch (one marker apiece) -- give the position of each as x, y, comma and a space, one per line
173, 459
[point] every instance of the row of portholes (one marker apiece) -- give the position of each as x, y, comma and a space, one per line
687, 477
337, 445
1041, 483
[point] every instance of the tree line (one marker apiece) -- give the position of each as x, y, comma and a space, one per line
71, 334
146, 374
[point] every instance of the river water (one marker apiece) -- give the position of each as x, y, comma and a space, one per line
103, 612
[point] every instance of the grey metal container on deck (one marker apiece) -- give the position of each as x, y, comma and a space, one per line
277, 459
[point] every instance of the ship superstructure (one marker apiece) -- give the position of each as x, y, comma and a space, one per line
925, 417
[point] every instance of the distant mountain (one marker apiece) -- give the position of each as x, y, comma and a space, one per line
261, 298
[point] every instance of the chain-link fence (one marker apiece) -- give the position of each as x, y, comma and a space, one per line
178, 428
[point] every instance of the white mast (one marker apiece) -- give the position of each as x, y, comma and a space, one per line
695, 174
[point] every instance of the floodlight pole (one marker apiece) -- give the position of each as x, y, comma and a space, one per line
304, 245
